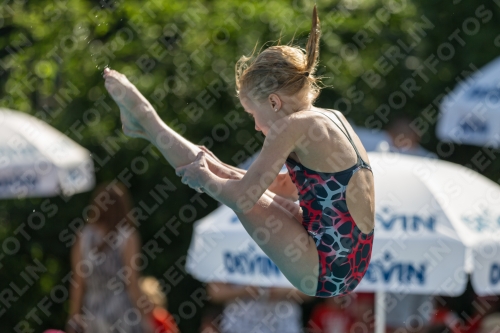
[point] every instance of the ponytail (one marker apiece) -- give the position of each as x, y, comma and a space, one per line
312, 48
284, 68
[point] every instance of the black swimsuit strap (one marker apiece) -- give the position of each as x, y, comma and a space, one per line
348, 136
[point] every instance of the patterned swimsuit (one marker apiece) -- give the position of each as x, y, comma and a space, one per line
344, 251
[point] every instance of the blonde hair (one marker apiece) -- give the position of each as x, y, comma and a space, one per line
283, 68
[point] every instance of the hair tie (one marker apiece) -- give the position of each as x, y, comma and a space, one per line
306, 73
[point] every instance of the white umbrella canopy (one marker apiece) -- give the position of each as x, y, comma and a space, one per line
427, 225
470, 114
431, 229
36, 160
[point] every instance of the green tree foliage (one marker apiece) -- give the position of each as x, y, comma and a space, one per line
378, 59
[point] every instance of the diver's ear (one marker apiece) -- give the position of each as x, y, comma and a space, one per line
275, 102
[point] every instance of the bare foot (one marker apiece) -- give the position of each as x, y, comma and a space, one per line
135, 109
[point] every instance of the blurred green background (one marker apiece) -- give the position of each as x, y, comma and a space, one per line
181, 55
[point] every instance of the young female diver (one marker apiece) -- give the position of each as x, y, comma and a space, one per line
323, 244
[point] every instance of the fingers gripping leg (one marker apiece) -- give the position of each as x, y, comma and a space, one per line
287, 205
285, 242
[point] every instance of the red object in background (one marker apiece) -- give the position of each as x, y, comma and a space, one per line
328, 319
163, 322
365, 297
362, 310
446, 317
473, 327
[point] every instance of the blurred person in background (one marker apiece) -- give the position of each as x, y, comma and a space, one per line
105, 295
162, 321
403, 139
331, 316
255, 309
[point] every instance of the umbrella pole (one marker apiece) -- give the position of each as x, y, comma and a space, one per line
380, 312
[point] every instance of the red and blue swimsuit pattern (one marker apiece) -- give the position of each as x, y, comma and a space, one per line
344, 251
